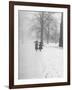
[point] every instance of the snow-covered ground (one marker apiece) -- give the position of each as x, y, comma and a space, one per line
47, 63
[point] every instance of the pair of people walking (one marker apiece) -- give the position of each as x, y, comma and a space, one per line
38, 45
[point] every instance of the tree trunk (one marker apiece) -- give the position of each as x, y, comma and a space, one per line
42, 27
48, 35
61, 32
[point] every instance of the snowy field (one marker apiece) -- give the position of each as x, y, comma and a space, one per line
45, 64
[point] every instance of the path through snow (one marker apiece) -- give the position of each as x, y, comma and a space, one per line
45, 64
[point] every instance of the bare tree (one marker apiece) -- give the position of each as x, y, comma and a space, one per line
61, 32
38, 26
48, 19
42, 24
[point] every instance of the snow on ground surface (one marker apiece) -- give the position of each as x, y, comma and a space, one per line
35, 64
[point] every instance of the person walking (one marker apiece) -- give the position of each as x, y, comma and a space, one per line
36, 45
40, 46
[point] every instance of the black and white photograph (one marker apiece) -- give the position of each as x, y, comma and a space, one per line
41, 45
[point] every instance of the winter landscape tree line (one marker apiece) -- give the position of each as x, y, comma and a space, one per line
45, 25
